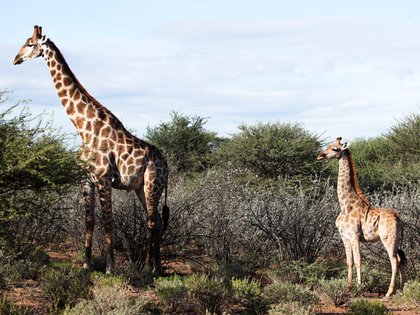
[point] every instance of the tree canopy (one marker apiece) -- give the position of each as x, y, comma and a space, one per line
273, 150
186, 144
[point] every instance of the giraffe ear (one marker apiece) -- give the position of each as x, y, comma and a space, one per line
34, 35
346, 145
37, 32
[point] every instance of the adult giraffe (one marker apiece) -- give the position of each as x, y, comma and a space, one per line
114, 157
359, 221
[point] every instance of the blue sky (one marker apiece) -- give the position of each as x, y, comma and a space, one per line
341, 68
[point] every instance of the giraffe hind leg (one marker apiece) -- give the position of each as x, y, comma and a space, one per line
402, 264
391, 248
154, 223
389, 235
149, 203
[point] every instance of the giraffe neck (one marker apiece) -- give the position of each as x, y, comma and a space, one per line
348, 189
83, 110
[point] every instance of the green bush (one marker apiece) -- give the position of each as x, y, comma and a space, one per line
410, 294
365, 307
185, 142
197, 292
291, 308
64, 284
288, 292
375, 281
8, 308
137, 276
230, 269
13, 270
273, 150
36, 171
111, 295
172, 291
206, 293
337, 291
298, 271
246, 291
390, 160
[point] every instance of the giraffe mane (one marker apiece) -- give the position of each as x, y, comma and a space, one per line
81, 87
354, 180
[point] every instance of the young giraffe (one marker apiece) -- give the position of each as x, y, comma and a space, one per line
359, 221
114, 158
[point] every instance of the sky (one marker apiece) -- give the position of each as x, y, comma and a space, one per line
340, 68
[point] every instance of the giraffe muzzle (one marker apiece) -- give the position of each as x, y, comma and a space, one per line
321, 157
18, 60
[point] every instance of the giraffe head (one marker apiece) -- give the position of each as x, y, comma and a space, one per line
334, 150
32, 48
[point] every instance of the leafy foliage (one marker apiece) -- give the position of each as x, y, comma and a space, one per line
294, 308
172, 291
185, 142
365, 307
298, 271
405, 136
288, 292
64, 284
8, 308
206, 293
337, 291
111, 295
246, 291
273, 150
390, 160
36, 170
411, 293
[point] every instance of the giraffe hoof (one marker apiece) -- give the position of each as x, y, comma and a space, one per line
109, 271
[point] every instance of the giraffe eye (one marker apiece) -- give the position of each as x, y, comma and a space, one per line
335, 149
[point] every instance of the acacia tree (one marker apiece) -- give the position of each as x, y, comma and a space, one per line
36, 170
391, 159
186, 144
273, 150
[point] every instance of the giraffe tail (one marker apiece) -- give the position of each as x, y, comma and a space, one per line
402, 258
165, 210
401, 255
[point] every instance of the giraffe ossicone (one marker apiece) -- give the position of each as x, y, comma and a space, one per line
113, 156
359, 222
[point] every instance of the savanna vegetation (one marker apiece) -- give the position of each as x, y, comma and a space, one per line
251, 228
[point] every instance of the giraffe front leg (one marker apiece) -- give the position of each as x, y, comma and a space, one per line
104, 190
349, 258
88, 190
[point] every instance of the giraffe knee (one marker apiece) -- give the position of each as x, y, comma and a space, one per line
153, 222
